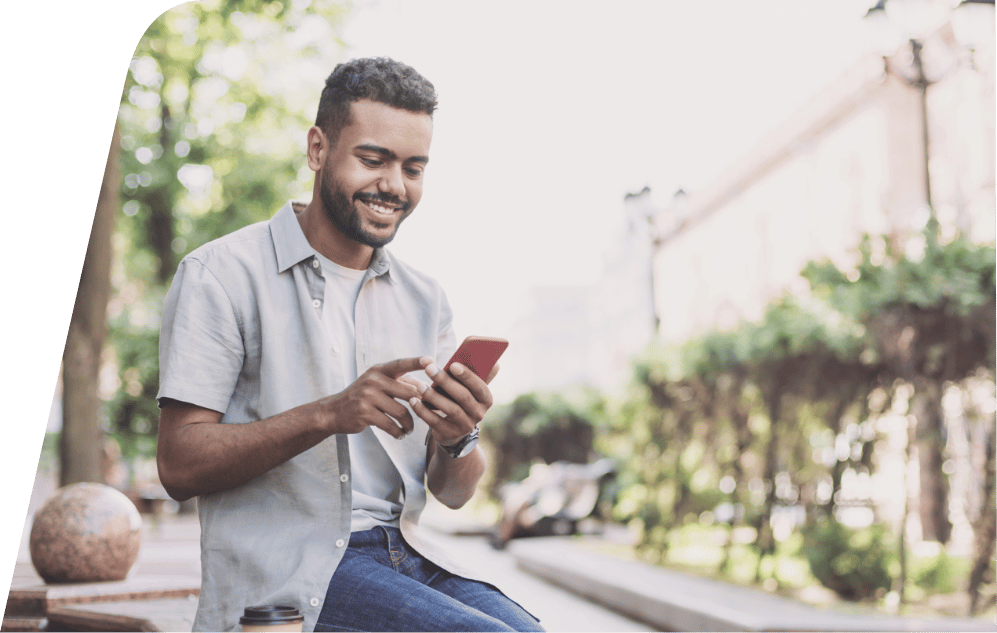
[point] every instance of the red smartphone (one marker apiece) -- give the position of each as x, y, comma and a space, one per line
477, 353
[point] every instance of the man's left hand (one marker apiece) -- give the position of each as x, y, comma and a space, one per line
452, 419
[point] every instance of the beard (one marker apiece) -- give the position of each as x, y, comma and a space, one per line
343, 213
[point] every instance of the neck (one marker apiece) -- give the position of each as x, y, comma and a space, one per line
325, 238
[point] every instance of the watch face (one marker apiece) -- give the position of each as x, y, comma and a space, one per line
467, 445
463, 446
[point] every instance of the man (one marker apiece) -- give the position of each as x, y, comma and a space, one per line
291, 399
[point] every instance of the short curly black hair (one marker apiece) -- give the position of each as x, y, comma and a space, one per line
380, 79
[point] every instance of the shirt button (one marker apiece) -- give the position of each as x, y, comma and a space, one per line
317, 303
340, 543
315, 602
315, 263
344, 478
335, 349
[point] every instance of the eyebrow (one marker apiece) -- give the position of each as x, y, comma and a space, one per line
387, 153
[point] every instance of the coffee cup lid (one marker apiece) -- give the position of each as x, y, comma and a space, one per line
269, 613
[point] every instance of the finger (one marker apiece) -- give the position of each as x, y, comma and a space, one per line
457, 373
402, 388
477, 387
395, 368
389, 426
463, 406
446, 430
453, 388
492, 374
440, 401
397, 410
396, 419
418, 384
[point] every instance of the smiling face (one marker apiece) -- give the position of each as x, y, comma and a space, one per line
372, 178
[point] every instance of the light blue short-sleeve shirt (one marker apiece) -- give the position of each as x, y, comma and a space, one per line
242, 334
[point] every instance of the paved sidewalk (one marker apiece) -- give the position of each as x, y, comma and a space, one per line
663, 600
171, 550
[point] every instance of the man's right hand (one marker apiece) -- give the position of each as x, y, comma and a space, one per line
371, 401
198, 455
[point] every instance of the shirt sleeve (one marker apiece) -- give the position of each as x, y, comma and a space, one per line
200, 346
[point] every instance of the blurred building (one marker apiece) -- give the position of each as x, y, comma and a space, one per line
849, 162
568, 336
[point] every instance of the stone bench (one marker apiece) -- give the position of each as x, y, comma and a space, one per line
674, 601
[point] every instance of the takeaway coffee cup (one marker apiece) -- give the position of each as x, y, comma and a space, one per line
271, 617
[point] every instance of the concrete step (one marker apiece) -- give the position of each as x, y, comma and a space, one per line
674, 601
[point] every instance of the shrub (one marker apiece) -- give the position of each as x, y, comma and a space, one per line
939, 575
852, 563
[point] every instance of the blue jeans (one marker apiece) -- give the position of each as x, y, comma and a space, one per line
382, 584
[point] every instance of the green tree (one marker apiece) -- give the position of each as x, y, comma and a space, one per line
786, 405
215, 107
932, 321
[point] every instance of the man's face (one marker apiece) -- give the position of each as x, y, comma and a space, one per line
372, 178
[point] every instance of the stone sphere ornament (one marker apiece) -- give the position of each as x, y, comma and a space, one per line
85, 533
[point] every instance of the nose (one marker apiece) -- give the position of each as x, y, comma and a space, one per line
391, 182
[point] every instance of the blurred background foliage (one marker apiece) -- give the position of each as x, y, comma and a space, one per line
543, 427
747, 437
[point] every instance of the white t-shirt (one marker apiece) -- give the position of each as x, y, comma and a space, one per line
377, 486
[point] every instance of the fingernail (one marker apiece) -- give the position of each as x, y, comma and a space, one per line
413, 401
432, 370
457, 369
422, 388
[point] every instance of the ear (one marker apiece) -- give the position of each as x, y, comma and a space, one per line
318, 148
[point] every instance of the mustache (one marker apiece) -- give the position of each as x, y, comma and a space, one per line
386, 199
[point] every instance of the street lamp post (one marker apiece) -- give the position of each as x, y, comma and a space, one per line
677, 212
909, 23
896, 23
973, 22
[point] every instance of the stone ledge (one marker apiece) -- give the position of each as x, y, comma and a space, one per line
39, 600
73, 619
673, 601
24, 625
174, 614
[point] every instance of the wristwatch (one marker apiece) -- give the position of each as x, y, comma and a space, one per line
463, 446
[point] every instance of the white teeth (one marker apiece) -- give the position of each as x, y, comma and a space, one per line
379, 209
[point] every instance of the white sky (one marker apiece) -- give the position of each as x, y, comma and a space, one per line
551, 111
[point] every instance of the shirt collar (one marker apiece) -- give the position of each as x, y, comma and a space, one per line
380, 263
292, 246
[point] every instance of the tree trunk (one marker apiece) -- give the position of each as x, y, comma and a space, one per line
159, 226
900, 583
82, 436
765, 543
836, 423
933, 505
985, 525
740, 414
